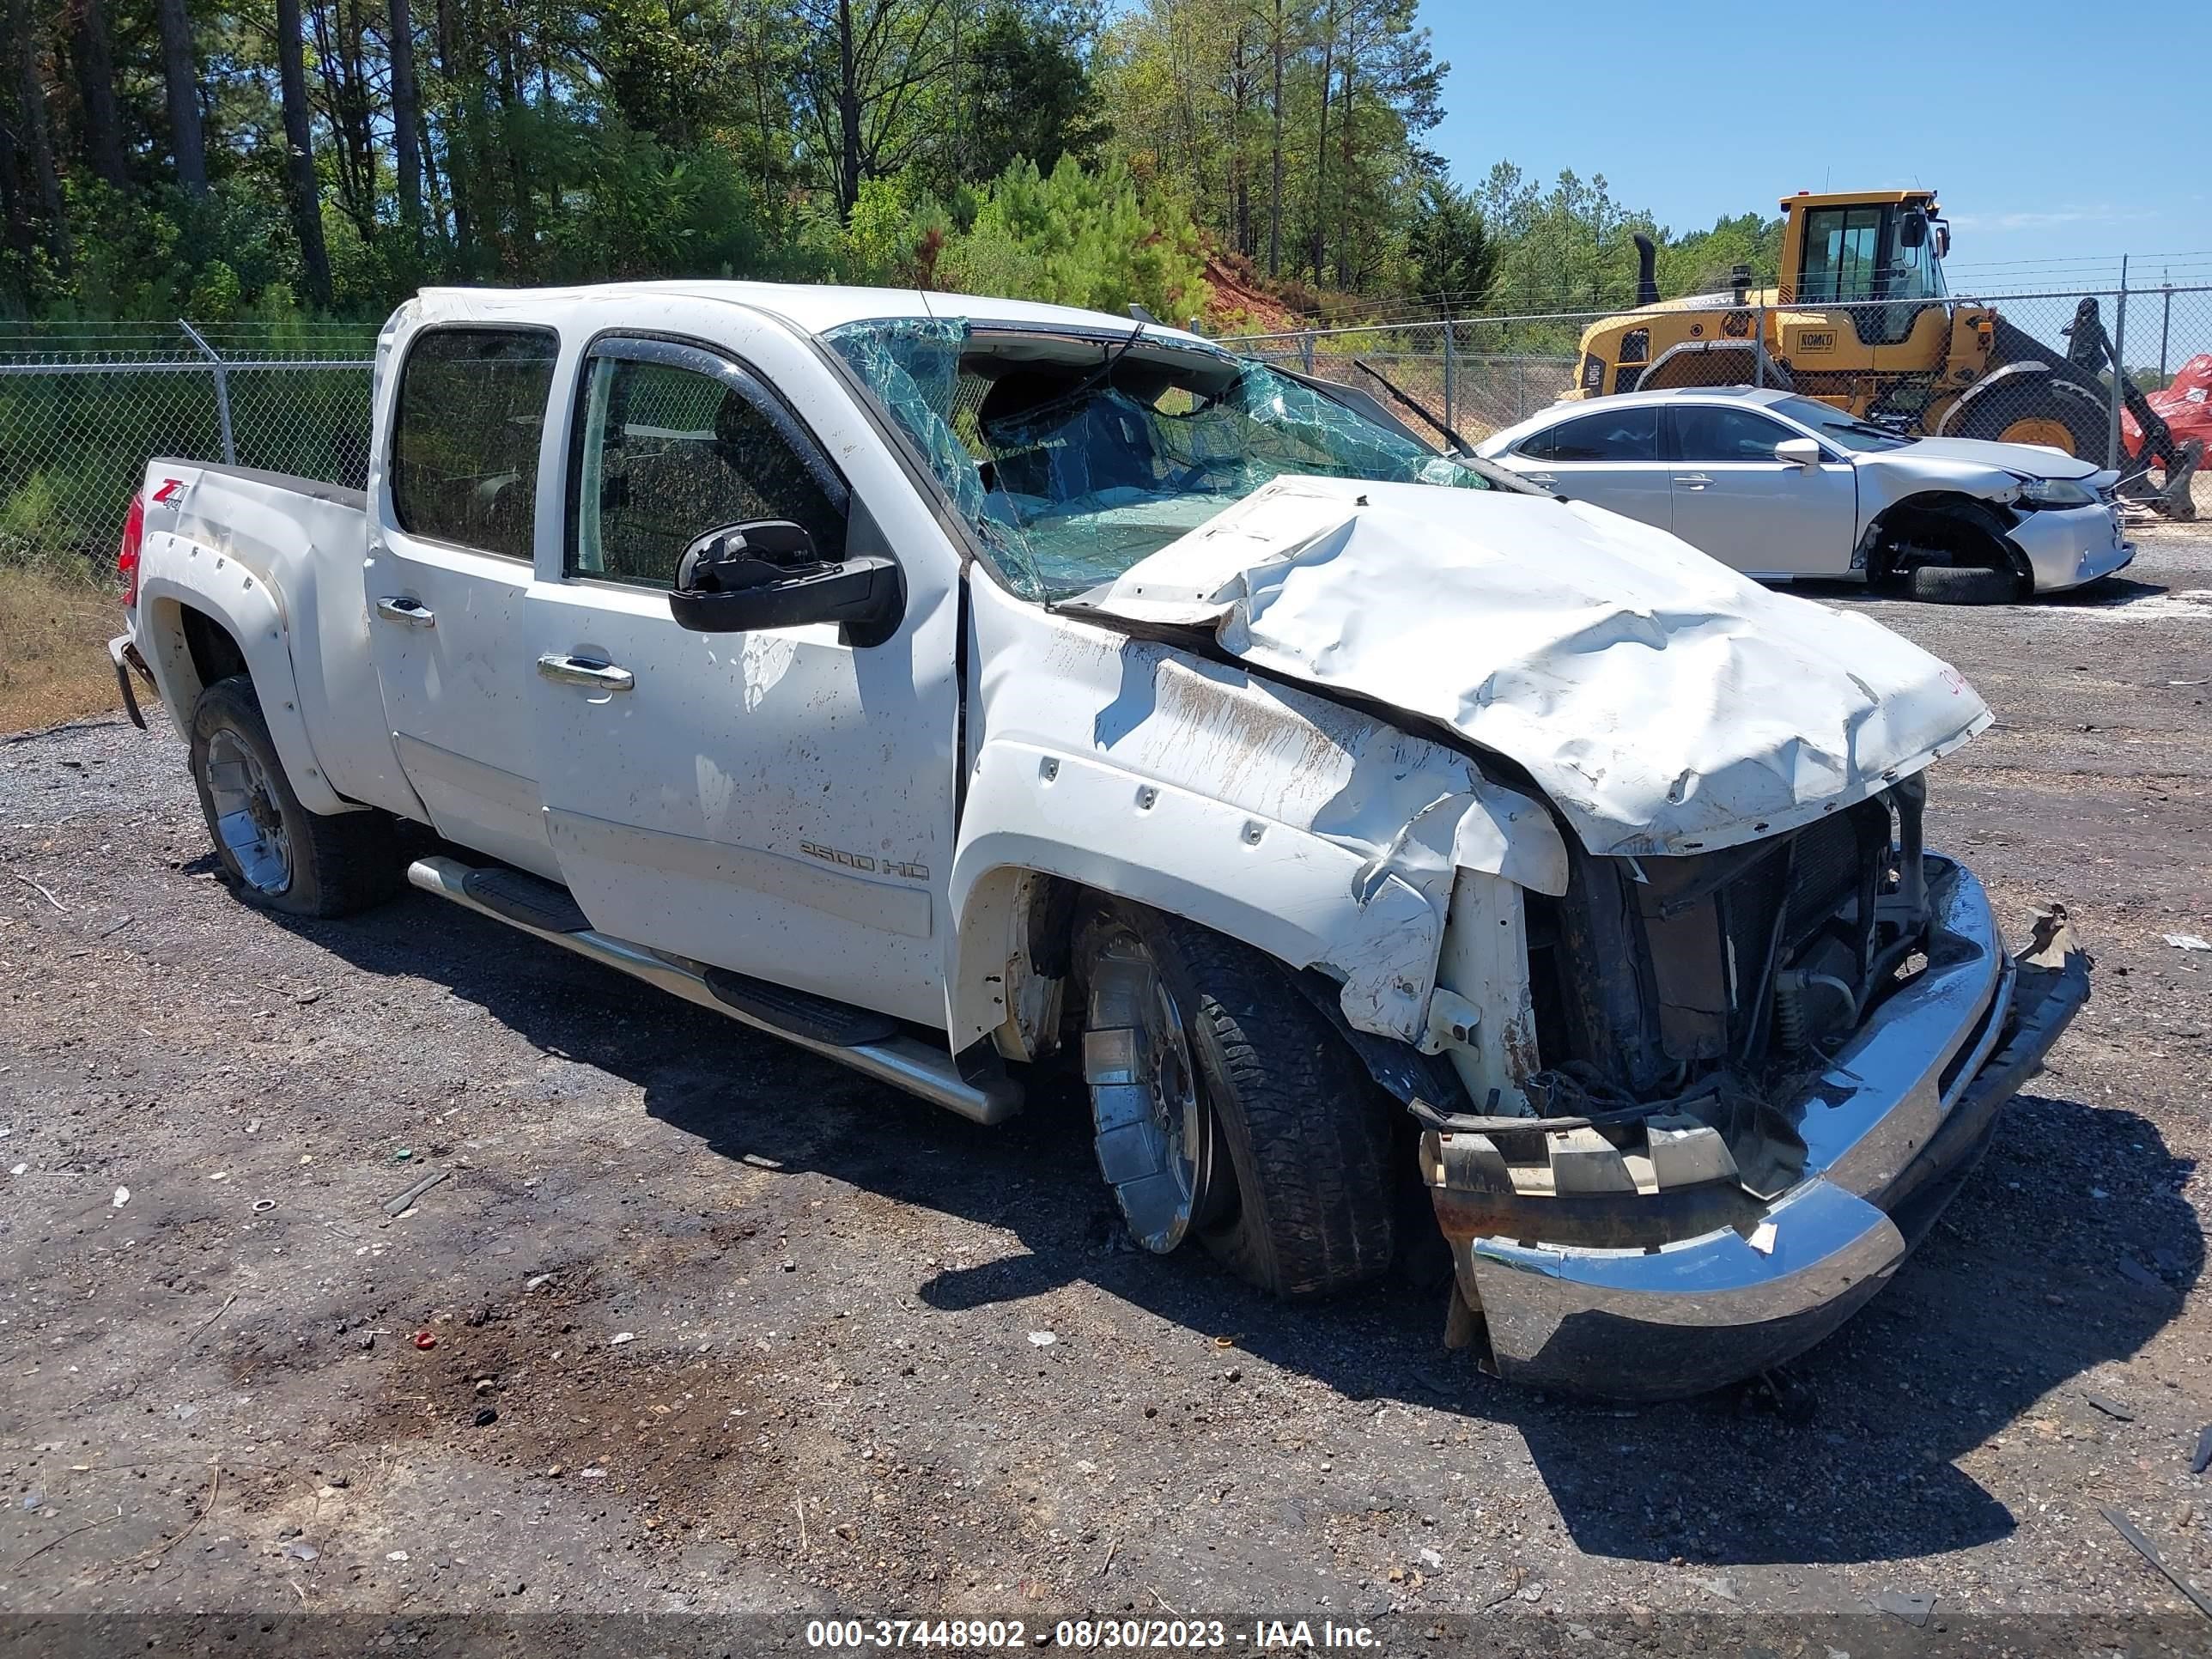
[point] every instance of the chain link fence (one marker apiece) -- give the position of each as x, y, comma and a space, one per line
2015, 368
84, 406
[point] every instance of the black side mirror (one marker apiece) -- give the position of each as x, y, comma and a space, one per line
767, 574
1912, 229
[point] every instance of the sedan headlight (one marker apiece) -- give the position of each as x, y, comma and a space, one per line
2055, 492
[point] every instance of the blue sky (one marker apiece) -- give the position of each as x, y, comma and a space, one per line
2013, 110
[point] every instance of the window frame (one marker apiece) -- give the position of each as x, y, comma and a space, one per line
701, 357
1658, 455
399, 411
1677, 457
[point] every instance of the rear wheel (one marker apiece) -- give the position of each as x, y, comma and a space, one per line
272, 849
1227, 1108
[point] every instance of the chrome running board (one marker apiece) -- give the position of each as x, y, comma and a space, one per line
901, 1061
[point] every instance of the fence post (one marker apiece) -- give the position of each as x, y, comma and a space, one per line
1448, 421
1758, 345
1305, 349
2119, 371
222, 391
2165, 329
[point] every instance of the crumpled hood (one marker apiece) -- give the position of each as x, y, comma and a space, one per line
1665, 703
2034, 460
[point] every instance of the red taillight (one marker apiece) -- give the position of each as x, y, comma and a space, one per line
126, 552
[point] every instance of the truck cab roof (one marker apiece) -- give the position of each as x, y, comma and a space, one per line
813, 307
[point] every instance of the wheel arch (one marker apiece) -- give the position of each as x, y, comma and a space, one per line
194, 631
1028, 853
1947, 520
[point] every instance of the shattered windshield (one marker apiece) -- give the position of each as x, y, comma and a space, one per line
1074, 457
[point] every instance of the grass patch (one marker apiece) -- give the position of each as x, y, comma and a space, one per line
54, 629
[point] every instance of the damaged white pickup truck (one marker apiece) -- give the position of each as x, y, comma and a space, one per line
945, 684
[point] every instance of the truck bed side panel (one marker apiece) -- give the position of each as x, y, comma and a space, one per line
278, 562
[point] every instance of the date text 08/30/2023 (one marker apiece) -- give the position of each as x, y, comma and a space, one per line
1142, 1635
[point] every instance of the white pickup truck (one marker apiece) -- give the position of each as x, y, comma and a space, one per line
945, 684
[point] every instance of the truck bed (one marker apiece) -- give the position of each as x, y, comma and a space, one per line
274, 562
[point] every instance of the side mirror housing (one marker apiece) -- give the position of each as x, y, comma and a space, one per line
767, 574
1798, 452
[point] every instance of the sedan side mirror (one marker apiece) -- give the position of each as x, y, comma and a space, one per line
1799, 451
767, 574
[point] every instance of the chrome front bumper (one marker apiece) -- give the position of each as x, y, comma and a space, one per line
1891, 1129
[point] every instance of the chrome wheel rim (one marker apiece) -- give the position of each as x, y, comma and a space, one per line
248, 821
1155, 1134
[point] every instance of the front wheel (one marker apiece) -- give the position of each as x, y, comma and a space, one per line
272, 849
1946, 584
1228, 1109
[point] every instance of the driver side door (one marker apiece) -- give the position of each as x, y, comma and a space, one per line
1768, 518
777, 802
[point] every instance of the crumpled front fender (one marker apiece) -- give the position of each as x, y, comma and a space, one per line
1319, 834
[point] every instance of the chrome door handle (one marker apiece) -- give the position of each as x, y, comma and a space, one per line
1693, 480
1539, 478
400, 608
585, 670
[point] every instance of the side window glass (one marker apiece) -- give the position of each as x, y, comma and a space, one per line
471, 411
1708, 433
1841, 247
1537, 445
1618, 435
666, 453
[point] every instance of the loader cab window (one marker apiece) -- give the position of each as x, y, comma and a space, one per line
1859, 257
464, 436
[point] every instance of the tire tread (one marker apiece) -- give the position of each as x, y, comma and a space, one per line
1305, 1127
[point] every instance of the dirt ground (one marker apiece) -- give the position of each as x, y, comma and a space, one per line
707, 1326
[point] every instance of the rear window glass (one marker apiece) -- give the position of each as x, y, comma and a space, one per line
465, 442
1614, 435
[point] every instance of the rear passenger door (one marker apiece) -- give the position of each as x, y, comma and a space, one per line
452, 521
1610, 459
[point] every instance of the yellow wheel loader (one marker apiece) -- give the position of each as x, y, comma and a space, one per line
1860, 318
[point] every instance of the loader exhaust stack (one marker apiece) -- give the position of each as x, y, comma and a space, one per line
1647, 270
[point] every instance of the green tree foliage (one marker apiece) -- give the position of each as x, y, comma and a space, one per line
1450, 255
1078, 237
220, 157
1293, 129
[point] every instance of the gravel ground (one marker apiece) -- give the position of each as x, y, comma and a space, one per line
698, 1323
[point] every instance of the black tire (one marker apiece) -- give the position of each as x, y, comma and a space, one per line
1307, 1210
332, 865
1952, 584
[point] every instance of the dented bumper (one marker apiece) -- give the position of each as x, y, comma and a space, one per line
1669, 1291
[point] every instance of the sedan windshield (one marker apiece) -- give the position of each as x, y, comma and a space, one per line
1074, 457
1838, 426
